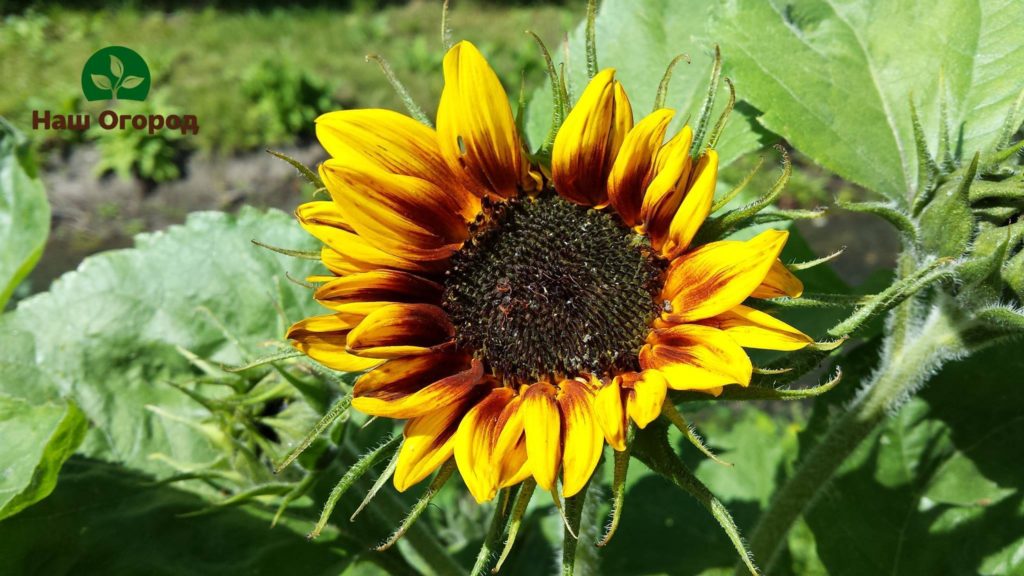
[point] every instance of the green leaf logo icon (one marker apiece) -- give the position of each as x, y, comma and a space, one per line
115, 73
116, 66
101, 82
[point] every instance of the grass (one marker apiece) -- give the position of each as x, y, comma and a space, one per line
200, 58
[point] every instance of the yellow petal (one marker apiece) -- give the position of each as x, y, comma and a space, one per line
543, 427
398, 330
389, 141
429, 441
583, 438
402, 215
646, 396
475, 128
413, 386
720, 275
610, 413
364, 292
778, 283
634, 165
589, 139
488, 433
322, 338
695, 207
696, 357
752, 328
668, 187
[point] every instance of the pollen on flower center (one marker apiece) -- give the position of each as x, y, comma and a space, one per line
549, 287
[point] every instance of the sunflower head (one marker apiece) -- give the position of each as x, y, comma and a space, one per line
520, 314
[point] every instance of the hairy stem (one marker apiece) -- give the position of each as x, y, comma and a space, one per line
911, 354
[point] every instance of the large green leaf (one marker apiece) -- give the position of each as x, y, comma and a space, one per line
37, 439
836, 77
937, 489
24, 211
111, 336
639, 39
103, 519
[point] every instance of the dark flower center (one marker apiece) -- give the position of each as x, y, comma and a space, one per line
547, 287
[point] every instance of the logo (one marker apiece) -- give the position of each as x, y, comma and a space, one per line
115, 73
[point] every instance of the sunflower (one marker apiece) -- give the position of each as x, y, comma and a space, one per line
518, 316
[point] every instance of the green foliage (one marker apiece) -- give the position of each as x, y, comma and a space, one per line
24, 211
836, 79
130, 152
37, 441
110, 335
283, 100
106, 519
640, 43
933, 491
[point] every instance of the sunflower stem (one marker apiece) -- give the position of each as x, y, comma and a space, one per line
912, 352
570, 535
494, 533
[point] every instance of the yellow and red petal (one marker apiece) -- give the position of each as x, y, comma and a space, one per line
778, 283
667, 189
386, 140
430, 441
404, 216
488, 434
645, 397
413, 386
543, 427
720, 275
364, 292
610, 413
322, 338
583, 436
475, 127
633, 168
695, 207
752, 328
696, 357
321, 213
589, 140
398, 330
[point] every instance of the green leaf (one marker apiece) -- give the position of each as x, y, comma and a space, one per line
24, 211
110, 335
639, 40
836, 77
131, 81
116, 67
36, 442
103, 519
937, 489
101, 81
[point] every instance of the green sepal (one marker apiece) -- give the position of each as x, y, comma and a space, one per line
421, 505
947, 223
937, 270
620, 472
1007, 189
1013, 275
411, 106
732, 220
888, 211
355, 472
310, 176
